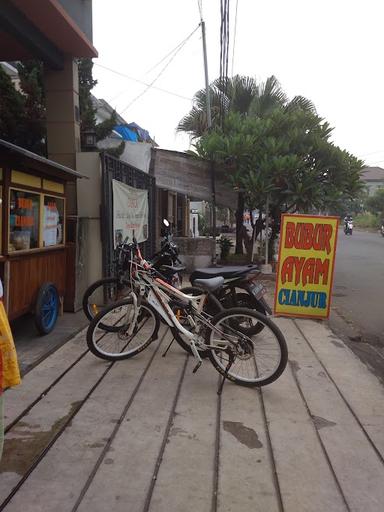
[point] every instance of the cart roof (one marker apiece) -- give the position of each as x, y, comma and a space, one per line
37, 162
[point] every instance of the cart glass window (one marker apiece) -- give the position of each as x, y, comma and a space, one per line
53, 216
24, 220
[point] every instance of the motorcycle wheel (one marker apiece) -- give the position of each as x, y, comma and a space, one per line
245, 300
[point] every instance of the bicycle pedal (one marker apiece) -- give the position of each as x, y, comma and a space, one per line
197, 367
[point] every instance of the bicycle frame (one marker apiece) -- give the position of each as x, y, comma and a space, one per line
159, 296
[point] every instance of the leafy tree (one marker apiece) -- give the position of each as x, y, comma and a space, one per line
22, 113
287, 156
86, 84
32, 87
11, 110
375, 203
244, 96
241, 94
87, 110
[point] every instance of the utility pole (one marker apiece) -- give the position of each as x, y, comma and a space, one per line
208, 100
209, 125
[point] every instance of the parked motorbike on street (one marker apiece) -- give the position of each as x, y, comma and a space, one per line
240, 289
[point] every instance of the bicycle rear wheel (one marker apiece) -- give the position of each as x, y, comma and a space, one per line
257, 359
108, 336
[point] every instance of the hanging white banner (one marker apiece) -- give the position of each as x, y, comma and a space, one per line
130, 213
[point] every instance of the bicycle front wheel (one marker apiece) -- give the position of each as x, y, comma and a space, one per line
102, 293
249, 360
112, 336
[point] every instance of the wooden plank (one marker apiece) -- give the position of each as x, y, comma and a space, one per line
58, 480
185, 475
29, 437
358, 469
17, 399
124, 477
245, 471
360, 387
305, 478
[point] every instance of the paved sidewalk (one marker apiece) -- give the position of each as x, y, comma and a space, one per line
146, 434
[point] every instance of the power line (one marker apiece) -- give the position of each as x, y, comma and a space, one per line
161, 71
234, 38
372, 153
141, 82
170, 53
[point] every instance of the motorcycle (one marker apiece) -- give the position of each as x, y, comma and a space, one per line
348, 227
237, 277
165, 261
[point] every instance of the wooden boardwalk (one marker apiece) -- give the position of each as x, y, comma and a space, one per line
146, 434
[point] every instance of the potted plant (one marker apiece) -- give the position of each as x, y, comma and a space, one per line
225, 247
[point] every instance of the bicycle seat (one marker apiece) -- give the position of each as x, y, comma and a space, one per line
226, 272
210, 285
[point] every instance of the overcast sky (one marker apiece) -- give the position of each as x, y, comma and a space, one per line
330, 51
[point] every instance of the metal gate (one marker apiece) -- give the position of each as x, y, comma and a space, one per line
114, 169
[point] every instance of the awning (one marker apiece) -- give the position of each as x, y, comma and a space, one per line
23, 157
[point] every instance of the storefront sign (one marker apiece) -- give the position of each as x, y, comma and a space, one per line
130, 213
306, 264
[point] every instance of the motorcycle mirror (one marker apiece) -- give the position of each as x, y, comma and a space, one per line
166, 223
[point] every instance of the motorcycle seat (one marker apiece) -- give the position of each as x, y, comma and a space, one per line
172, 269
225, 272
211, 284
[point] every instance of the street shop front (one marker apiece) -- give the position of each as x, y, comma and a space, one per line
34, 250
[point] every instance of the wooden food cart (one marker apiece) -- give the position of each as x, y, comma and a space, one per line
33, 249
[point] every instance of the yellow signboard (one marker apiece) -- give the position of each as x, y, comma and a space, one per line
306, 263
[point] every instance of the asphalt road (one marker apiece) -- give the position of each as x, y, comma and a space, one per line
358, 292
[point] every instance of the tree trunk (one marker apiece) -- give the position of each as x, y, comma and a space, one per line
276, 216
239, 223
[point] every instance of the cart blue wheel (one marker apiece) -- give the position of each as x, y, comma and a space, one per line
47, 308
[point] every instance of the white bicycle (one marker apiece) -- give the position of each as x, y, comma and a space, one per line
127, 327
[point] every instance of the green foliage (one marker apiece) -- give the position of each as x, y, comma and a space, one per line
22, 114
225, 247
367, 220
117, 151
203, 225
286, 156
87, 110
11, 110
32, 86
375, 203
241, 94
86, 84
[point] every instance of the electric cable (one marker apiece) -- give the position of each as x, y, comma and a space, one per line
140, 82
161, 71
234, 37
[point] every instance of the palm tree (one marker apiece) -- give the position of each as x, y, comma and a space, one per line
240, 94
